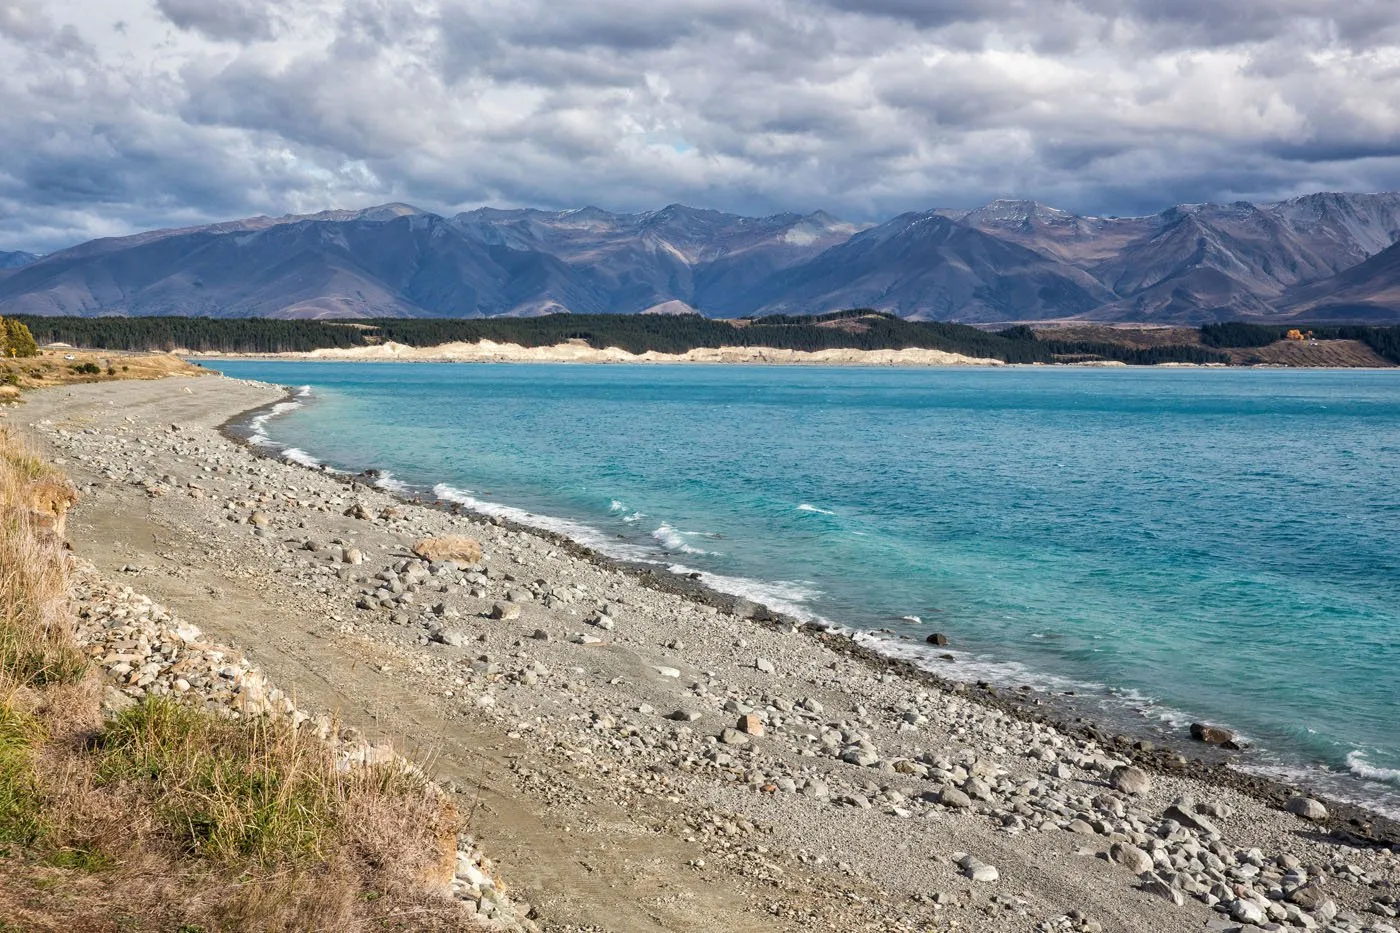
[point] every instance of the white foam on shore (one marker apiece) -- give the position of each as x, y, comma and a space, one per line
297, 455
967, 666
586, 535
790, 597
389, 484
1359, 766
806, 507
257, 425
1339, 786
673, 540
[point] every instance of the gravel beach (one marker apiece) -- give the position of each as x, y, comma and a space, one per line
631, 757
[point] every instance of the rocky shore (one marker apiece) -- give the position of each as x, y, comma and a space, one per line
645, 757
145, 650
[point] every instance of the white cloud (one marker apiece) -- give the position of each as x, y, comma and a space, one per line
195, 110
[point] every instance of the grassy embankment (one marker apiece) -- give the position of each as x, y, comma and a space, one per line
166, 817
50, 368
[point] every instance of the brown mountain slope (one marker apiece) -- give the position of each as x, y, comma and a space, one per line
1367, 291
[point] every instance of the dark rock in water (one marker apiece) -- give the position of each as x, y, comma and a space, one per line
1211, 735
947, 657
937, 638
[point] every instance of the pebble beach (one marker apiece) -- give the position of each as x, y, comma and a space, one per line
633, 753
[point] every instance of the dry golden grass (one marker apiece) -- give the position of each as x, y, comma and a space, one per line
52, 368
171, 818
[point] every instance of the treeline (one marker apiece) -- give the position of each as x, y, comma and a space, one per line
197, 334
857, 329
1384, 340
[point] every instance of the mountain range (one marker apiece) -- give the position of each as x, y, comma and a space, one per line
15, 260
1320, 257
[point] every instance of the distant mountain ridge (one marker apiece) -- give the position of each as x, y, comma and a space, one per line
15, 260
1329, 255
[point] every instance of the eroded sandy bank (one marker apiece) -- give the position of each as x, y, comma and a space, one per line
487, 351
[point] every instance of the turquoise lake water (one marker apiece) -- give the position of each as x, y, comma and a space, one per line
1219, 545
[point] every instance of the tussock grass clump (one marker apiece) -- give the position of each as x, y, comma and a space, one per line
226, 790
238, 791
171, 816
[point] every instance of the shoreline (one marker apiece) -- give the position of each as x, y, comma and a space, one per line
1088, 717
631, 759
677, 359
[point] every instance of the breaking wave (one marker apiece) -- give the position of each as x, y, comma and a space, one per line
1359, 766
673, 540
586, 535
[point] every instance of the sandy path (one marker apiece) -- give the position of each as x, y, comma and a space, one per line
600, 811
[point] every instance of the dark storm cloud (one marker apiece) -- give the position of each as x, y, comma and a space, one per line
196, 110
933, 12
236, 20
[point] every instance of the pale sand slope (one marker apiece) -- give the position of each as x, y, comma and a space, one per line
487, 351
600, 809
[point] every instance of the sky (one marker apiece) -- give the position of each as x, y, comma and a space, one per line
123, 115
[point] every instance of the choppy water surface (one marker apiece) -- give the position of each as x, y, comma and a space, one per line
1194, 544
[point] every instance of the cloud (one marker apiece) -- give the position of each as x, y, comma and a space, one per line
233, 20
123, 114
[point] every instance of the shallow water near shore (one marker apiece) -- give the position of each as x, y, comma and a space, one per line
1185, 544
